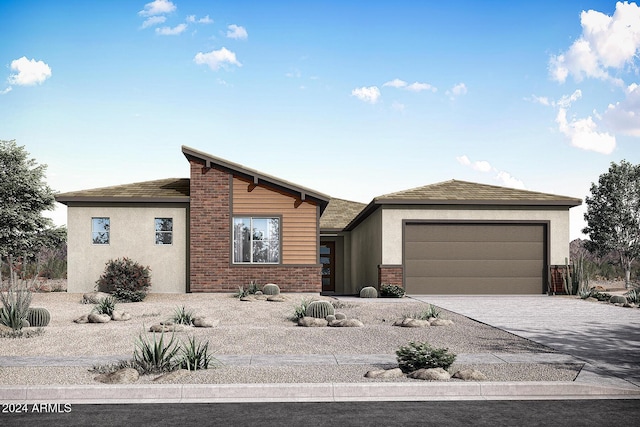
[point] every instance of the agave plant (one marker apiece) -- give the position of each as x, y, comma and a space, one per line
155, 355
195, 355
15, 306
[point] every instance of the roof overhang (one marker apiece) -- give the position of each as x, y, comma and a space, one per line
89, 199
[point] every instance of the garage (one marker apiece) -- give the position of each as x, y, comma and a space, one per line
475, 258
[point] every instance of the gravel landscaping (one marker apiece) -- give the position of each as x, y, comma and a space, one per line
264, 328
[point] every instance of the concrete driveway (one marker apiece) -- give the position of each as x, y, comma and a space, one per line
603, 335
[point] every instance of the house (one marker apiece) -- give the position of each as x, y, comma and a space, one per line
228, 225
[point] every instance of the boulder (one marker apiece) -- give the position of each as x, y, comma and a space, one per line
441, 322
346, 323
247, 298
385, 373
312, 322
120, 316
408, 322
121, 376
98, 318
432, 374
276, 298
330, 318
94, 297
340, 316
82, 319
203, 322
166, 328
5, 329
172, 376
470, 375
618, 299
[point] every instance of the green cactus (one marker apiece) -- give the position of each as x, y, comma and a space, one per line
369, 292
319, 309
38, 316
271, 289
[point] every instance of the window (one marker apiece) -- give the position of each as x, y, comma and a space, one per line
256, 240
100, 231
164, 231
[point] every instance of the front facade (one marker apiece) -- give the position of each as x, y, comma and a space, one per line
228, 225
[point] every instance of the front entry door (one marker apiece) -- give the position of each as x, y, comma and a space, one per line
327, 259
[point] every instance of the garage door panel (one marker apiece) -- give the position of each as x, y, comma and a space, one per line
474, 258
473, 250
475, 286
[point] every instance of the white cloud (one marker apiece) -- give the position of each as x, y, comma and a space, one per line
369, 94
566, 100
485, 167
457, 90
583, 134
540, 100
419, 87
217, 58
205, 20
153, 20
397, 83
606, 42
157, 7
7, 90
168, 31
29, 72
237, 32
624, 117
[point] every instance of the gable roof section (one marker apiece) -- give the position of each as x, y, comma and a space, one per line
169, 190
257, 177
454, 192
339, 213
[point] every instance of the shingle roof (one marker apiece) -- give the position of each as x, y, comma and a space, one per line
161, 190
455, 191
339, 213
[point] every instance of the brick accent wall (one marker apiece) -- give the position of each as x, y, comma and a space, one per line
210, 243
390, 274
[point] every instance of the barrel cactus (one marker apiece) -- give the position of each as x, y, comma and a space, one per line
319, 309
271, 289
369, 292
38, 316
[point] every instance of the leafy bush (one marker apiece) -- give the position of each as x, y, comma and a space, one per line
421, 355
15, 306
125, 279
182, 316
391, 291
195, 355
106, 306
156, 355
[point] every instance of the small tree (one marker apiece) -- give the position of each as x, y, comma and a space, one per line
613, 215
23, 197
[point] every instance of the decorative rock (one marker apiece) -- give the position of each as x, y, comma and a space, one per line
172, 376
247, 298
597, 289
259, 293
347, 323
470, 375
312, 322
203, 322
98, 318
166, 328
438, 374
120, 316
408, 322
94, 297
122, 376
330, 318
25, 323
275, 298
340, 316
385, 373
618, 299
4, 328
441, 322
82, 319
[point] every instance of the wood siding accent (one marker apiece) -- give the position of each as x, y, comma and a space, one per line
299, 227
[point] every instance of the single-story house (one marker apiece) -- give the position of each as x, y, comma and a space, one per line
228, 225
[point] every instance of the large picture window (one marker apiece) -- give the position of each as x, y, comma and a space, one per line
256, 240
164, 231
100, 231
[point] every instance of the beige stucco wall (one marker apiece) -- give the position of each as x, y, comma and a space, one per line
132, 236
366, 251
392, 226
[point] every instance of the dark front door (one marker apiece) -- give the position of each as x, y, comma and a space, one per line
327, 259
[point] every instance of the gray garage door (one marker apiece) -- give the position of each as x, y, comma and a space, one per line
474, 258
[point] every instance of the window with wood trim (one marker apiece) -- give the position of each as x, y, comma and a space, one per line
256, 240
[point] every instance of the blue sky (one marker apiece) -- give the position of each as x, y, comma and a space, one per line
353, 99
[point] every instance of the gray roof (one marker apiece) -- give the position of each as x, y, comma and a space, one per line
339, 213
174, 190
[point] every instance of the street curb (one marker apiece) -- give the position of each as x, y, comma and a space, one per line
320, 392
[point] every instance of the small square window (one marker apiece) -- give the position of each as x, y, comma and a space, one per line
164, 231
100, 231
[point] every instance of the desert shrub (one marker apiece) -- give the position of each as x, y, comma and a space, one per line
431, 312
15, 306
195, 355
22, 333
112, 367
125, 279
421, 355
182, 316
153, 355
241, 292
106, 306
391, 291
300, 310
633, 296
